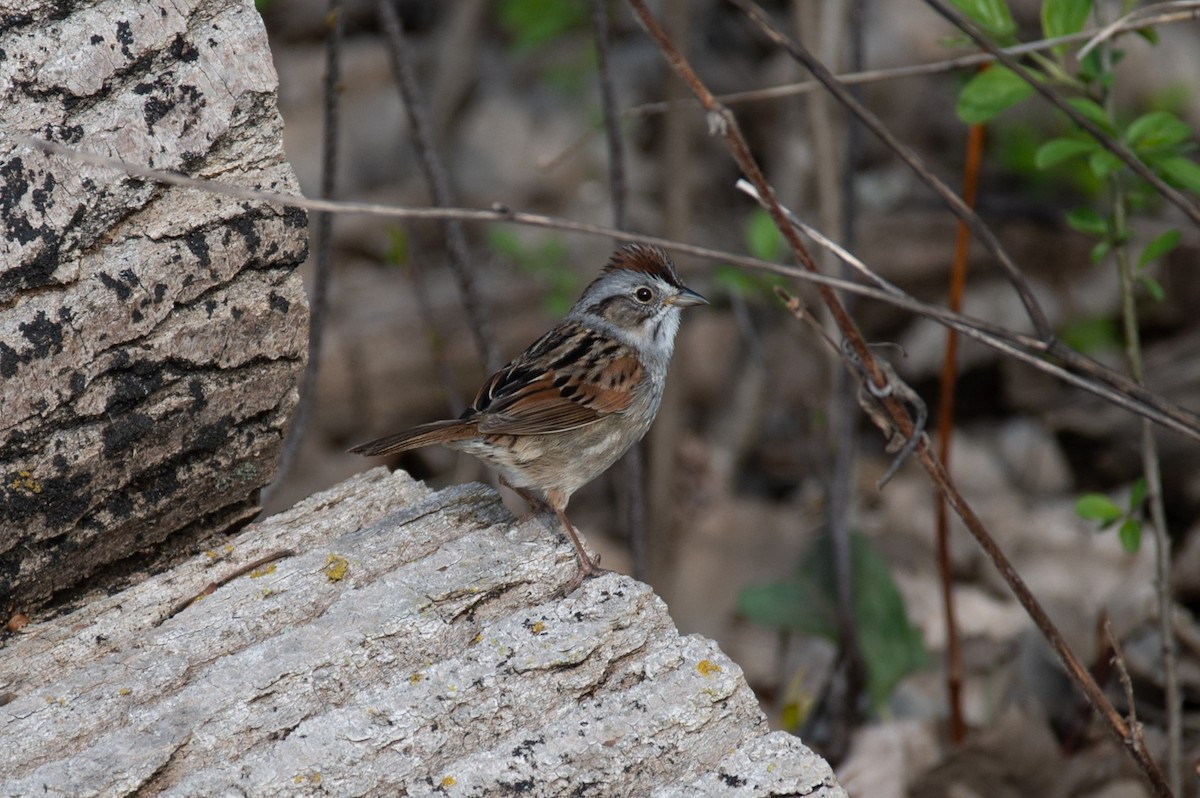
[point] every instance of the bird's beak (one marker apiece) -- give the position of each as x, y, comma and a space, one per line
687, 297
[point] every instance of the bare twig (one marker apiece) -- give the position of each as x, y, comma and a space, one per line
946, 397
1075, 670
634, 471
1083, 372
612, 121
675, 153
1138, 18
318, 302
1151, 470
1118, 659
439, 185
1118, 149
836, 142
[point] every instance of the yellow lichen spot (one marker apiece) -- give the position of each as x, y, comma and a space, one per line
316, 778
257, 572
25, 483
707, 667
264, 593
336, 567
417, 676
478, 638
448, 781
210, 554
124, 691
54, 700
537, 628
228, 549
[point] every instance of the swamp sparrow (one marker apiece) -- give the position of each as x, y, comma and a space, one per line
571, 404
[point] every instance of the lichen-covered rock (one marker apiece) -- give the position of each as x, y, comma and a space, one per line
379, 640
151, 337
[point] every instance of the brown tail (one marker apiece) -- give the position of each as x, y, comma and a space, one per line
415, 438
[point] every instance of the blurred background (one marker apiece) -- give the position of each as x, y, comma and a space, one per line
738, 471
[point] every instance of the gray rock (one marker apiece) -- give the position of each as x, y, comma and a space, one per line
150, 337
397, 642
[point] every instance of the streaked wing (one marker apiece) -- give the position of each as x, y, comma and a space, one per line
571, 377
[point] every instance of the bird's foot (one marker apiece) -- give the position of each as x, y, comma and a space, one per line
587, 568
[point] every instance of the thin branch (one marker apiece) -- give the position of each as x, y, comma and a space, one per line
1136, 19
634, 467
1087, 375
1151, 468
1118, 659
1118, 149
838, 26
945, 427
439, 184
318, 302
612, 122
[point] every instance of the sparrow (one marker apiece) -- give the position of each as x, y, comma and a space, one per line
579, 397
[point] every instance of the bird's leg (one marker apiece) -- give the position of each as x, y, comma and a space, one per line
537, 505
587, 566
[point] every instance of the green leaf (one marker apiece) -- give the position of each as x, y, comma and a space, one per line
1100, 251
1055, 151
1153, 287
891, 645
1149, 34
1097, 507
763, 238
1156, 129
1091, 66
1091, 111
1064, 17
397, 252
989, 93
504, 241
535, 22
1130, 535
1181, 171
797, 605
1091, 336
1159, 247
1086, 220
1103, 163
991, 15
1137, 494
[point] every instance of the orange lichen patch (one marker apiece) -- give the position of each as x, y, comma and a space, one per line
537, 628
336, 567
448, 781
707, 667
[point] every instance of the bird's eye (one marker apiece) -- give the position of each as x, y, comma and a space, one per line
643, 295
